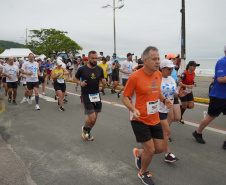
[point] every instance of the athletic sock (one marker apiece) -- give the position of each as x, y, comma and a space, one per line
182, 112
29, 97
36, 99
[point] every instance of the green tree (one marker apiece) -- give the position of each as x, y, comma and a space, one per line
51, 41
1, 49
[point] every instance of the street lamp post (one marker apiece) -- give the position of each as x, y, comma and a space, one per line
183, 46
114, 7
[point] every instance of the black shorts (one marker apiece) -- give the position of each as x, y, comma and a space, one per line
91, 107
175, 101
41, 79
124, 82
31, 85
0, 78
188, 97
216, 106
59, 86
115, 78
12, 85
163, 116
4, 80
145, 132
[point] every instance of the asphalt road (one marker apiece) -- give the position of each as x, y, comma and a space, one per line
46, 147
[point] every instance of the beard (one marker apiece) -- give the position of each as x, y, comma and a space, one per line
93, 63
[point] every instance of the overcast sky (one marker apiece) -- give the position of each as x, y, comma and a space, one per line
139, 23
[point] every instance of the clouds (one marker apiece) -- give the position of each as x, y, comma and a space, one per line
138, 24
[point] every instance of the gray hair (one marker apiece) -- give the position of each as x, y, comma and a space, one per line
146, 52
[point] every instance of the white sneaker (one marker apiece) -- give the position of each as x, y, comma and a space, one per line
44, 94
37, 107
24, 100
29, 101
204, 113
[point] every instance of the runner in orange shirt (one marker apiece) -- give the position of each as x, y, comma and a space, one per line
143, 108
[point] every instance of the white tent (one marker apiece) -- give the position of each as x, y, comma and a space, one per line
42, 56
15, 52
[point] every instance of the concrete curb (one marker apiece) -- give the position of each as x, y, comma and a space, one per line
196, 99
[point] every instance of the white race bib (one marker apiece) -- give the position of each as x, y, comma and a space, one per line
188, 90
94, 97
34, 74
41, 74
60, 80
11, 72
152, 107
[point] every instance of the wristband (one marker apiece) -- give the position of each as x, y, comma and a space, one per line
164, 101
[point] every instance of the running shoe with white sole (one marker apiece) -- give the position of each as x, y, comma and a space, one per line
61, 108
24, 100
170, 158
204, 113
137, 158
146, 178
29, 101
14, 102
86, 134
181, 121
37, 107
9, 100
44, 94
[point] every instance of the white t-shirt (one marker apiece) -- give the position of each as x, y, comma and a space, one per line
31, 67
128, 67
69, 64
11, 70
109, 71
17, 63
168, 89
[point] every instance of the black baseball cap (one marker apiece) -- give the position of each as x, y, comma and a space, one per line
193, 63
128, 54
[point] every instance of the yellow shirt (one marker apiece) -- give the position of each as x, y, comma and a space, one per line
56, 72
104, 67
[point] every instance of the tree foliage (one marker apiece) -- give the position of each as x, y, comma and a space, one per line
1, 49
51, 41
8, 44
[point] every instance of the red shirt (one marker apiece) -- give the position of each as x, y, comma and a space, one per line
187, 79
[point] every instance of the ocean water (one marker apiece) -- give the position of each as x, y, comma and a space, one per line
206, 68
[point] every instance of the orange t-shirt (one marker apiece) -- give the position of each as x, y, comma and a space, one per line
144, 90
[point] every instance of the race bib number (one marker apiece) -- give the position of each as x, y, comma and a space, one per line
50, 68
152, 107
188, 90
11, 72
41, 74
94, 97
60, 80
34, 74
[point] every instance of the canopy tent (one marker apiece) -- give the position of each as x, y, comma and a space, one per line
42, 56
15, 52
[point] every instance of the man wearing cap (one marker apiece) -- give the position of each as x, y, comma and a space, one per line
187, 82
126, 70
31, 70
217, 103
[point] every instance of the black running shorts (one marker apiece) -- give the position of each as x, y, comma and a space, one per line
188, 97
217, 106
145, 132
124, 82
163, 116
41, 79
59, 86
91, 107
31, 85
12, 85
115, 78
175, 101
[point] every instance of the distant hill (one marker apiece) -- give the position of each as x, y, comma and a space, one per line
8, 44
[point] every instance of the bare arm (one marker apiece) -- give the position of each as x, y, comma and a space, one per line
221, 79
128, 104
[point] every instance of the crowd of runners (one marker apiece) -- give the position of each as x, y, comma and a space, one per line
151, 91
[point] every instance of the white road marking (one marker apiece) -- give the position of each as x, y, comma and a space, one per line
47, 98
123, 106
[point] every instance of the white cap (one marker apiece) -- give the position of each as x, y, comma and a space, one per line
224, 48
59, 62
59, 58
99, 56
166, 63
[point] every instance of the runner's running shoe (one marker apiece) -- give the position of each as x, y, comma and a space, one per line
224, 145
137, 158
64, 100
81, 99
56, 97
145, 178
198, 137
9, 100
24, 100
86, 134
181, 121
62, 108
118, 95
29, 101
37, 107
14, 102
170, 158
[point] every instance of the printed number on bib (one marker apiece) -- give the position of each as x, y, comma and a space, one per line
11, 72
152, 107
94, 97
60, 80
188, 90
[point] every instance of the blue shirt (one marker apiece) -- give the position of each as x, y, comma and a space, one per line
49, 65
174, 75
80, 77
219, 89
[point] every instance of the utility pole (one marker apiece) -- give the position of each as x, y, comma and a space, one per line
26, 38
183, 43
114, 26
